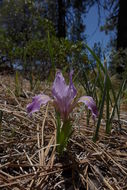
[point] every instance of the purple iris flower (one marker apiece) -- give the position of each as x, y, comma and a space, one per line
63, 98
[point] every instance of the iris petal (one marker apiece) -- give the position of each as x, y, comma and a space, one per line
59, 88
37, 102
63, 94
89, 102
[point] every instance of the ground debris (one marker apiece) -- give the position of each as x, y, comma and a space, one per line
28, 160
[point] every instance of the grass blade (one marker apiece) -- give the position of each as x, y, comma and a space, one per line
95, 137
116, 101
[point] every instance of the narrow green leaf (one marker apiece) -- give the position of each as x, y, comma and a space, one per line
116, 101
58, 125
64, 136
95, 137
100, 65
108, 128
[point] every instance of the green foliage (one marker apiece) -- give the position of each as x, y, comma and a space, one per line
39, 56
64, 131
21, 25
31, 40
118, 63
100, 87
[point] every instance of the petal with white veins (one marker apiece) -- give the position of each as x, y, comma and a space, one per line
89, 102
37, 101
63, 94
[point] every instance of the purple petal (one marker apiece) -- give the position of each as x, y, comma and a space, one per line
63, 93
37, 102
89, 102
59, 88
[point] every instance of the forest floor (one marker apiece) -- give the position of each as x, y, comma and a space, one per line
28, 160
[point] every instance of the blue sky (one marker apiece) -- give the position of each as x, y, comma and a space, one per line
93, 30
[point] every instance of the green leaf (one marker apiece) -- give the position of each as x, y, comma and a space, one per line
64, 135
116, 102
95, 137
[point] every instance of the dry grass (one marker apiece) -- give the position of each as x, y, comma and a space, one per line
27, 149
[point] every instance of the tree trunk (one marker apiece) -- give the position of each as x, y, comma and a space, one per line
122, 25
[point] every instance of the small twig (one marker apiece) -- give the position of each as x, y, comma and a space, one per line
30, 161
102, 178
